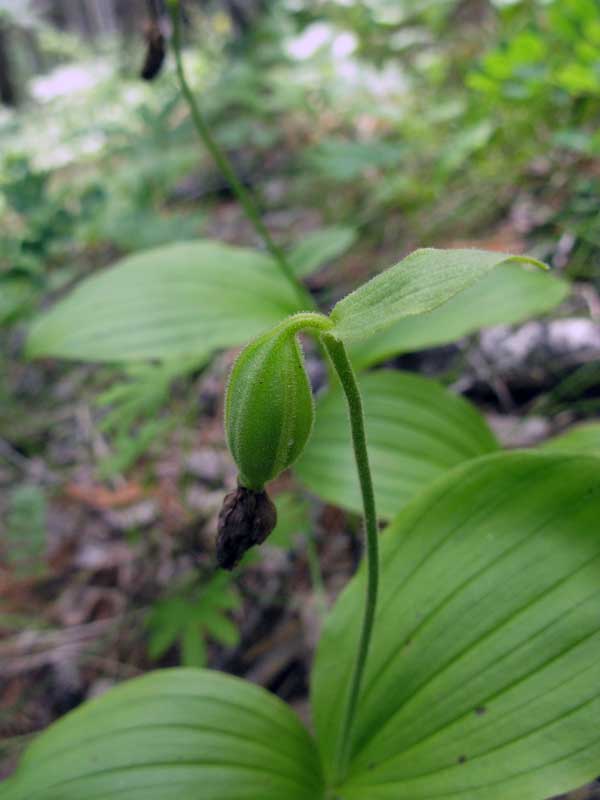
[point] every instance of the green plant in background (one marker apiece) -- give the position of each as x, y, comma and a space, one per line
132, 410
541, 79
194, 303
41, 226
552, 58
153, 154
190, 616
24, 540
475, 670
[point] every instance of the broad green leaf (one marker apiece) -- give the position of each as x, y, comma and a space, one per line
483, 679
180, 300
178, 734
581, 438
416, 431
503, 296
319, 247
419, 283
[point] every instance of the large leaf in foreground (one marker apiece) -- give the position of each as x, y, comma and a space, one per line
581, 438
178, 734
483, 680
419, 283
416, 431
503, 296
179, 300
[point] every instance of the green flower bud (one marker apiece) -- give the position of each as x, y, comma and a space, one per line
269, 408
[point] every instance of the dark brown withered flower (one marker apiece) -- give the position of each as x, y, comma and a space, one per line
246, 518
155, 50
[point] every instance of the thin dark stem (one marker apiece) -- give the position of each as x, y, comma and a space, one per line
224, 164
343, 367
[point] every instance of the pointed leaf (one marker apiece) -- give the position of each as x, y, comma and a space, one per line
503, 296
165, 627
416, 431
218, 593
221, 628
319, 247
419, 283
178, 734
483, 679
180, 300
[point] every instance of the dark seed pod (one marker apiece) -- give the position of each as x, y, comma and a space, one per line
269, 408
246, 519
156, 49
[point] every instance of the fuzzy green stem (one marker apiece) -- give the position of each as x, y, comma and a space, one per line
303, 321
224, 164
343, 367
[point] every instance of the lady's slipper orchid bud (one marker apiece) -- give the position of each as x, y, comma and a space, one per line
269, 414
269, 408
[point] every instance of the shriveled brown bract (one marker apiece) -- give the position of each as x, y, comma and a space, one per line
246, 518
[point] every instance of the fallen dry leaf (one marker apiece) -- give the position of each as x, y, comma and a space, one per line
100, 497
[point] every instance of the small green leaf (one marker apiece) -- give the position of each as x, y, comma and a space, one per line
219, 593
582, 438
127, 447
180, 300
416, 431
193, 650
419, 283
221, 629
165, 627
25, 532
190, 616
177, 734
483, 677
503, 296
319, 247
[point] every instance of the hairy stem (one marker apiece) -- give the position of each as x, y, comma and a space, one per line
303, 321
343, 367
224, 164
